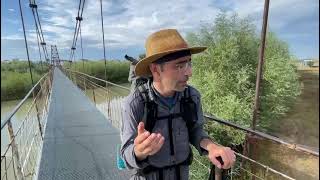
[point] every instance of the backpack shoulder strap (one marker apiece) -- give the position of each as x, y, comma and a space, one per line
143, 91
188, 109
150, 110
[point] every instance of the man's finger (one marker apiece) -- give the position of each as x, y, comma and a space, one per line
231, 155
141, 128
156, 140
140, 138
225, 160
148, 150
158, 146
215, 161
147, 142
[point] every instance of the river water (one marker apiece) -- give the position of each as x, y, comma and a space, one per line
6, 108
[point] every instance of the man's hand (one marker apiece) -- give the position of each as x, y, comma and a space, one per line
215, 151
146, 144
227, 155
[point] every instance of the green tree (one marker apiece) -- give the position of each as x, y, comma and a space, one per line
225, 75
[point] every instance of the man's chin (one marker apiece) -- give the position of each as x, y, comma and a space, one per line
181, 88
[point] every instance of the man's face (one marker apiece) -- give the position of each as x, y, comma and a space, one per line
175, 74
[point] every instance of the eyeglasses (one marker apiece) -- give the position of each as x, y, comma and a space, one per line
183, 66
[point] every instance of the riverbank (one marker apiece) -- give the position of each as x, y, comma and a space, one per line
300, 125
16, 81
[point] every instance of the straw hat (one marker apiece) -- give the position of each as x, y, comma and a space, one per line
162, 43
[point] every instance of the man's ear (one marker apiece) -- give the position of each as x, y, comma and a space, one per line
154, 70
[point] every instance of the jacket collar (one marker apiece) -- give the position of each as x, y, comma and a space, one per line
155, 96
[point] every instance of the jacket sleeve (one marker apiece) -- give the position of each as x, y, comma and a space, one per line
129, 133
197, 133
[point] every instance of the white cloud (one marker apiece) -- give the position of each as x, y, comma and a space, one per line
11, 10
13, 37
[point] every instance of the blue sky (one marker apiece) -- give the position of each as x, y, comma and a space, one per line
127, 23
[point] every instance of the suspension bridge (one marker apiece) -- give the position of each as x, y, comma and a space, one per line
67, 134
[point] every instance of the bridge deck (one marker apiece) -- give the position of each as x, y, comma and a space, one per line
79, 142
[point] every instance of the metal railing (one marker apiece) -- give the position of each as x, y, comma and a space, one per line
24, 138
108, 96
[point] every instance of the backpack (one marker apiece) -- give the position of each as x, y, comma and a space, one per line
187, 107
136, 81
188, 112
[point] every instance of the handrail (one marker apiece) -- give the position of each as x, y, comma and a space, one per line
3, 123
100, 79
260, 134
264, 135
248, 130
293, 146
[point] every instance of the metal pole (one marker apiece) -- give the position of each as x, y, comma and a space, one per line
260, 65
217, 173
94, 96
5, 165
85, 88
81, 50
75, 79
38, 116
15, 151
104, 47
256, 108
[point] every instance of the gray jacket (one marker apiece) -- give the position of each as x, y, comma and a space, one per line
133, 108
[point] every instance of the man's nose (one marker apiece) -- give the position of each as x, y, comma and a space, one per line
188, 71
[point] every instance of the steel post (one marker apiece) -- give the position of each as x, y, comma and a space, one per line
15, 151
260, 65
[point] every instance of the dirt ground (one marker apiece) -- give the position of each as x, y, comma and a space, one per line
301, 126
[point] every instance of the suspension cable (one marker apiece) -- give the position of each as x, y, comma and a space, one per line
77, 28
79, 18
81, 50
43, 42
39, 32
104, 48
39, 51
74, 34
26, 43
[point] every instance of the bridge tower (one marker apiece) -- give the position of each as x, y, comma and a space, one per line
55, 60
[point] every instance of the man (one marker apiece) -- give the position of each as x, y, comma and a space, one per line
161, 117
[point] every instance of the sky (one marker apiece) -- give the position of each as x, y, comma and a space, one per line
127, 23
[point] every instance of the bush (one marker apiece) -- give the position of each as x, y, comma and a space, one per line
117, 71
225, 75
15, 85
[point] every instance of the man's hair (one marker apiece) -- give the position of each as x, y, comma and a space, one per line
173, 56
161, 66
170, 57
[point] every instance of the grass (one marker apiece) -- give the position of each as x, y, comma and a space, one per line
117, 71
301, 123
16, 81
